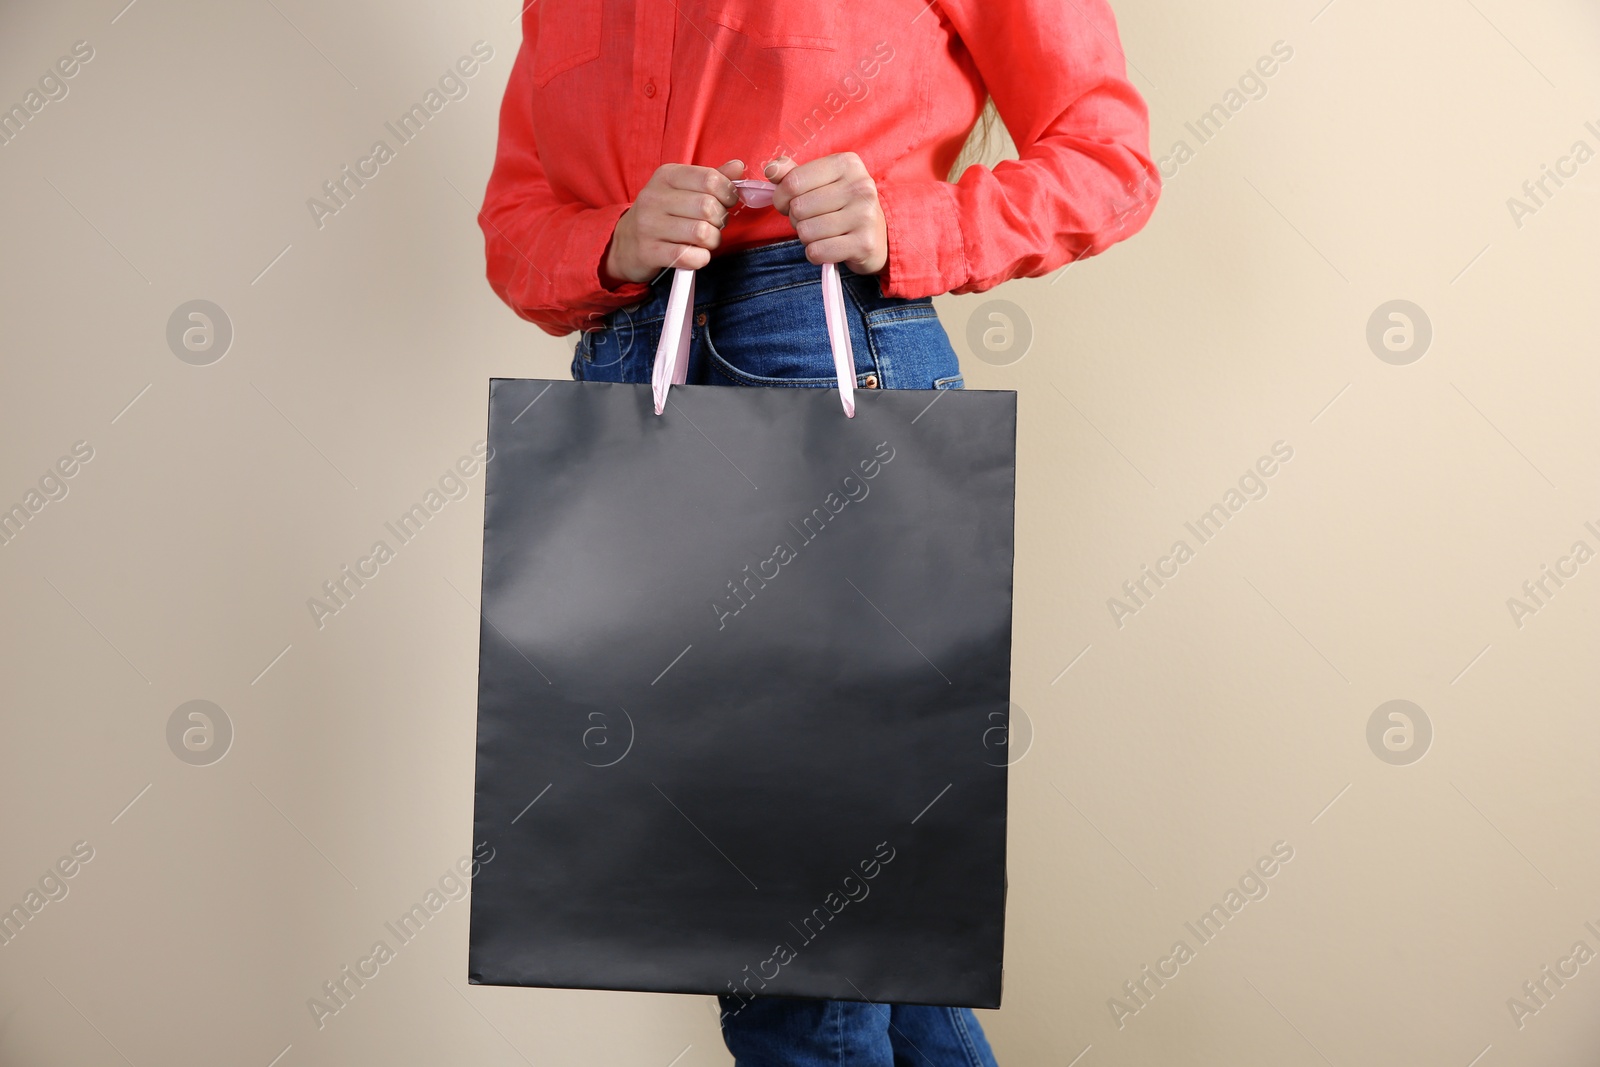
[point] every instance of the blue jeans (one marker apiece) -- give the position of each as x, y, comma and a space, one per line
758, 320
775, 1032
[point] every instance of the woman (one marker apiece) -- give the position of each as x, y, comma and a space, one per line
623, 127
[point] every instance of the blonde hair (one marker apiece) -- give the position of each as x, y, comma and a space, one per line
979, 141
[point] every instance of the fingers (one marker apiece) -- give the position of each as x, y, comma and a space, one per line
795, 180
677, 219
832, 203
847, 204
855, 218
685, 257
826, 199
676, 230
671, 213
701, 207
676, 236
846, 248
711, 181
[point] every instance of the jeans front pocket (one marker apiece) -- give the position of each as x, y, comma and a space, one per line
779, 337
911, 348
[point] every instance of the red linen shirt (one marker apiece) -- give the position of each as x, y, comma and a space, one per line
603, 92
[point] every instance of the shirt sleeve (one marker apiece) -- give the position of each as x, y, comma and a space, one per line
543, 249
1083, 181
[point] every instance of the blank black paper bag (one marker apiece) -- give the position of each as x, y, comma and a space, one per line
743, 668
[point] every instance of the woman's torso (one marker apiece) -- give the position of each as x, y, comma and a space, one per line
624, 85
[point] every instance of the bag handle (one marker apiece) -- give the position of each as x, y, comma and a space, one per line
672, 351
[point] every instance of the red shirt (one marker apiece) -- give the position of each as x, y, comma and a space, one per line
604, 91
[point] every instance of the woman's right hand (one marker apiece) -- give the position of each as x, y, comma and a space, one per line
676, 221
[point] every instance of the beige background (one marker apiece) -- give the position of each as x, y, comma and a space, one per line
1229, 713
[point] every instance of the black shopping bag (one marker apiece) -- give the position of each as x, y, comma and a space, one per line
743, 689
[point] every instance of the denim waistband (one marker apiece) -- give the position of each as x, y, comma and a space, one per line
748, 272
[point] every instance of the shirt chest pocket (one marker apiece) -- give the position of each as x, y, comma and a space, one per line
569, 36
779, 23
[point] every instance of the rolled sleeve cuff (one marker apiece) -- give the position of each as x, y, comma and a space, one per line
927, 253
578, 270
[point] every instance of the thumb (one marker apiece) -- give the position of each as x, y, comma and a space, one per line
732, 170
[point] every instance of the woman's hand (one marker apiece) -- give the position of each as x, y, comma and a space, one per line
833, 204
676, 221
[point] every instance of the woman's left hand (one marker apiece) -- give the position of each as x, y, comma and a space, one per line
833, 204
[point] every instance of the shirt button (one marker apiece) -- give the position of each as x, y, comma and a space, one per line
871, 381
650, 89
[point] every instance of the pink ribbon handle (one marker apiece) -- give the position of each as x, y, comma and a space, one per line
844, 360
672, 351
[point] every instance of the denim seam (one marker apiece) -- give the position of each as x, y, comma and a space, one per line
888, 376
880, 363
900, 313
958, 1020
